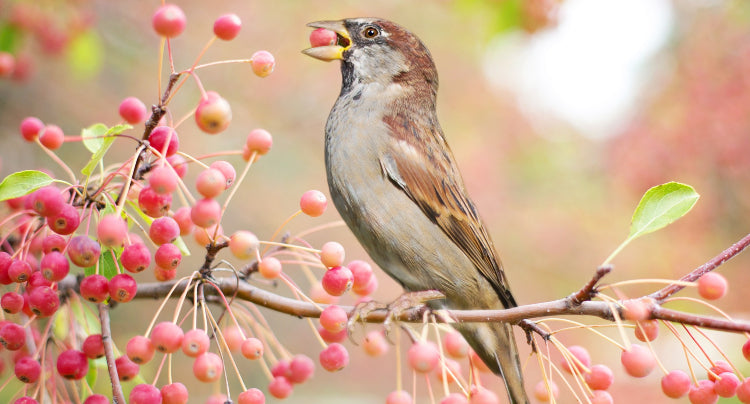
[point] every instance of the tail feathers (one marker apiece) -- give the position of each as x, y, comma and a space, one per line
496, 346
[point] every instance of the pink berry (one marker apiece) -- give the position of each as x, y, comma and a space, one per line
334, 318
46, 201
455, 398
133, 111
367, 289
122, 288
210, 183
579, 353
27, 369
11, 302
135, 257
182, 217
126, 369
227, 170
163, 179
164, 230
301, 369
19, 271
262, 63
208, 367
313, 203
234, 337
332, 254
174, 393
703, 393
718, 368
712, 286
72, 364
334, 358
53, 242
213, 114
30, 128
280, 387
7, 64
375, 344
647, 330
322, 37
423, 356
544, 392
601, 397
145, 394
97, 399
65, 222
52, 137
25, 400
43, 301
600, 377
168, 256
269, 268
227, 26
398, 397
140, 350
252, 348
205, 213
337, 280
54, 266
93, 346
159, 137
743, 392
638, 361
243, 244
281, 368
481, 395
83, 251
195, 342
455, 345
179, 164
331, 337
12, 336
95, 288
167, 337
258, 141
154, 204
112, 230
727, 385
169, 21
251, 396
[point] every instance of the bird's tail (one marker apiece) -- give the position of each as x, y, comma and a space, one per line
496, 346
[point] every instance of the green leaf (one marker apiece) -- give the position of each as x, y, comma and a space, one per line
92, 373
10, 37
84, 54
98, 138
23, 182
660, 206
107, 265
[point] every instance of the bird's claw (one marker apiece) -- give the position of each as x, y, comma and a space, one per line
406, 301
359, 314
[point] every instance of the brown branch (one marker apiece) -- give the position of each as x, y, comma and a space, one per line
117, 395
709, 266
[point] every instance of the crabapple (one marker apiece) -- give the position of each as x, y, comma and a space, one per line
195, 342
159, 137
423, 356
227, 169
251, 396
182, 217
600, 377
12, 336
455, 344
27, 369
30, 128
227, 26
243, 244
332, 254
162, 179
205, 213
637, 360
280, 387
136, 257
112, 230
207, 367
169, 21
727, 385
647, 330
258, 141
375, 343
179, 164
83, 251
164, 230
54, 266
712, 286
313, 203
482, 395
601, 397
262, 63
168, 256
167, 337
322, 37
213, 114
139, 349
66, 221
579, 353
301, 368
11, 302
333, 318
46, 201
210, 183
703, 393
95, 288
19, 271
252, 348
545, 394
126, 369
53, 242
145, 394
93, 346
234, 337
719, 367
331, 337
269, 268
337, 280
398, 397
51, 137
174, 393
133, 111
72, 364
96, 399
743, 391
122, 288
43, 301
334, 358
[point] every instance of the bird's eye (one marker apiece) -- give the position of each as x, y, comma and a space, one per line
370, 32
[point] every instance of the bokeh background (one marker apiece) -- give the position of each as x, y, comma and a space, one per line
560, 113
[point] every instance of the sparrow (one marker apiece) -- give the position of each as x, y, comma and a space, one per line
396, 184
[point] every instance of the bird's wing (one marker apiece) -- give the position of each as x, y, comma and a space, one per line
434, 183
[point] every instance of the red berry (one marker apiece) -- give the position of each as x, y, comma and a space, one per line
281, 368
210, 183
227, 26
337, 280
126, 369
712, 286
52, 137
205, 213
12, 336
159, 137
362, 273
213, 114
95, 288
579, 353
136, 257
182, 217
19, 271
25, 400
43, 301
140, 350
322, 37
262, 63
30, 128
112, 230
455, 345
169, 21
313, 203
334, 318
7, 64
122, 288
11, 302
703, 393
83, 251
227, 170
727, 385
96, 399
164, 274
743, 392
251, 396
175, 393
145, 394
208, 367
167, 337
168, 256
27, 369
164, 230
46, 201
258, 141
675, 384
638, 361
72, 364
252, 348
195, 342
334, 358
65, 222
154, 204
280, 387
301, 369
54, 266
163, 179
93, 347
133, 111
718, 368
53, 242
269, 268
234, 337
600, 377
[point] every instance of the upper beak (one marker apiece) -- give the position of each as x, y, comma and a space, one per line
330, 52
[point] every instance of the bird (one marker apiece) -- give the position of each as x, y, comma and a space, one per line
393, 179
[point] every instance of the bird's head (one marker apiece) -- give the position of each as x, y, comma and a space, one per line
374, 50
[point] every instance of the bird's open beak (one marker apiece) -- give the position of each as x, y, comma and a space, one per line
330, 52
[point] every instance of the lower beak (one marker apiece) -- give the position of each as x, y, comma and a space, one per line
330, 52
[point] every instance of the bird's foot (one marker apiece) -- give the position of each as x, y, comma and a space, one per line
359, 314
407, 301
531, 328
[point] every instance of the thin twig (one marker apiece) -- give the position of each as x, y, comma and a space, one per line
117, 395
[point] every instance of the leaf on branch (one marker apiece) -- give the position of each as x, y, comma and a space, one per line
22, 183
98, 138
660, 206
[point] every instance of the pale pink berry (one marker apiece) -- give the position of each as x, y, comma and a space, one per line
205, 213
258, 141
423, 356
301, 369
647, 330
600, 377
334, 318
169, 21
455, 398
162, 179
579, 353
208, 367
280, 387
712, 286
269, 268
544, 392
334, 358
727, 385
182, 217
375, 344
227, 170
252, 348
601, 397
174, 393
168, 256
112, 230
243, 244
332, 254
251, 396
234, 337
638, 361
195, 342
743, 392
213, 114
703, 393
322, 37
313, 203
331, 337
455, 344
133, 111
139, 349
51, 137
718, 368
164, 230
481, 395
262, 63
635, 310
167, 337
398, 397
337, 280
210, 183
227, 26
